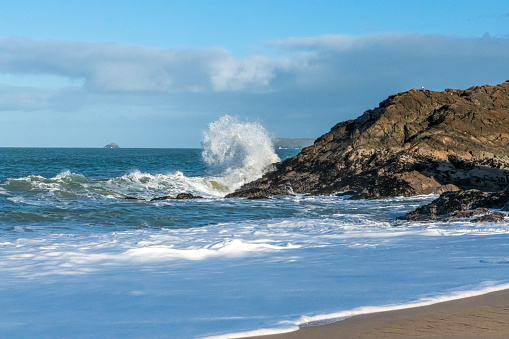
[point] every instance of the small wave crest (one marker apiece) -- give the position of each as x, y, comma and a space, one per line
68, 185
484, 288
82, 254
148, 186
65, 184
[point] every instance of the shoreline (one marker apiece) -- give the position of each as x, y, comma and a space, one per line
480, 316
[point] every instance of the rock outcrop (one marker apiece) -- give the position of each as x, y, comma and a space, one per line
180, 196
452, 206
415, 142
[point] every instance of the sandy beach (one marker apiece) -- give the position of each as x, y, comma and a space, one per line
484, 316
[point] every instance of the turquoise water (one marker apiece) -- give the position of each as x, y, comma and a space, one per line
84, 189
79, 260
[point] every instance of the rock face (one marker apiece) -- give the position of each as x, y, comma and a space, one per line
415, 142
451, 206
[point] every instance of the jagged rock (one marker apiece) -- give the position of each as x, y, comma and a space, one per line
180, 196
261, 197
467, 214
415, 142
492, 217
132, 198
187, 196
161, 198
451, 206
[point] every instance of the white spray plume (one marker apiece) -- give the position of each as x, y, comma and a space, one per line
237, 151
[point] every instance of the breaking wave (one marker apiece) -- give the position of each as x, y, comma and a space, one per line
234, 152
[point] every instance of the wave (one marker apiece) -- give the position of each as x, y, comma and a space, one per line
144, 186
58, 254
64, 185
317, 320
486, 287
235, 153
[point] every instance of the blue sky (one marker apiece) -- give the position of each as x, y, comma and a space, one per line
155, 73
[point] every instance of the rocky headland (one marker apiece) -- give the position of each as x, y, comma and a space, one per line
415, 142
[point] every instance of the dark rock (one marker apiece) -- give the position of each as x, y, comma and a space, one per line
259, 197
132, 198
179, 196
462, 204
492, 217
187, 196
415, 142
162, 198
467, 214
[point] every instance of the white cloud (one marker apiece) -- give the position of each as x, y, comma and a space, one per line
255, 73
303, 84
113, 67
317, 61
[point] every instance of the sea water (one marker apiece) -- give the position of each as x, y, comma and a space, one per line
78, 260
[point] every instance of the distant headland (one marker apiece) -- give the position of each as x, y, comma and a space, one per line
292, 142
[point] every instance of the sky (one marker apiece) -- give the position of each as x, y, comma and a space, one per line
156, 73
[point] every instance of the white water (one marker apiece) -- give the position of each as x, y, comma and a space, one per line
239, 151
334, 317
235, 153
78, 260
338, 259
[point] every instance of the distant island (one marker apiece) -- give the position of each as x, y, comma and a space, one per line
112, 145
292, 142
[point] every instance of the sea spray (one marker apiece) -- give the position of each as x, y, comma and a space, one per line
236, 152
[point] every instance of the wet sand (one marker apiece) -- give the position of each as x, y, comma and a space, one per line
484, 316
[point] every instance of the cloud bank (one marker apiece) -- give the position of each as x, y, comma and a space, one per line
308, 83
119, 68
302, 64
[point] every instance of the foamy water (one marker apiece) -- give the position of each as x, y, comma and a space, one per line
78, 260
239, 152
269, 275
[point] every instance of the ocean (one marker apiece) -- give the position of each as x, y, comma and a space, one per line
78, 260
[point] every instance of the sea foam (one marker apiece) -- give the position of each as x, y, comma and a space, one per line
236, 152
